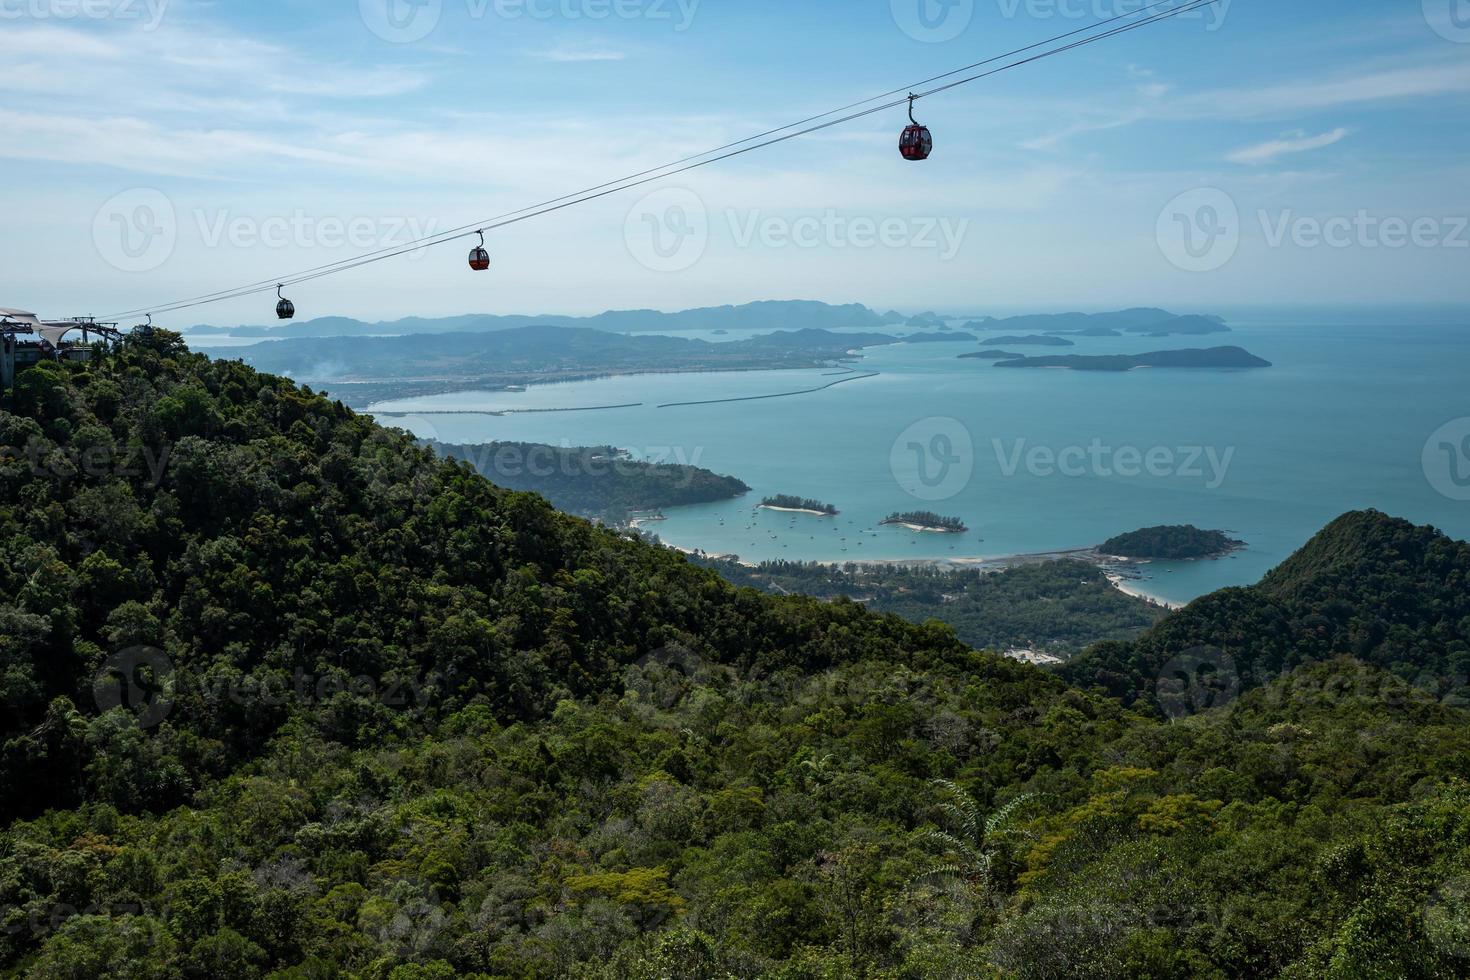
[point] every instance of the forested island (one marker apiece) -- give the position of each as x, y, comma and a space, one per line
938, 338
784, 501
1214, 357
1034, 340
593, 481
990, 355
925, 520
1171, 543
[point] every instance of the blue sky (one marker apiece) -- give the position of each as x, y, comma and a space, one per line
1256, 153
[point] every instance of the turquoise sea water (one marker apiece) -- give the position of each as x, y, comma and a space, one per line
1340, 422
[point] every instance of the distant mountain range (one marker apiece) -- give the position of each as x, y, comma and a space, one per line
764, 315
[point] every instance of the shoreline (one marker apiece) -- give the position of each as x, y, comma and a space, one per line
925, 528
797, 510
1109, 564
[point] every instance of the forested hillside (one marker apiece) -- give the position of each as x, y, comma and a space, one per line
1375, 587
285, 695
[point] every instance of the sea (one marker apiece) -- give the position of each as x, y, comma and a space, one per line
1361, 409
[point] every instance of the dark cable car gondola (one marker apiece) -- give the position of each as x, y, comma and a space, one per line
479, 258
916, 143
285, 309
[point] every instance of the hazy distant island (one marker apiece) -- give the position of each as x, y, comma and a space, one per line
925, 520
990, 355
1033, 340
600, 482
1214, 357
803, 505
932, 338
1140, 320
1180, 542
1089, 332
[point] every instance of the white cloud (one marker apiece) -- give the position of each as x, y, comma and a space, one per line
1299, 143
570, 55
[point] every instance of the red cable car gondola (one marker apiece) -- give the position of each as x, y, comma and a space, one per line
479, 258
285, 309
916, 143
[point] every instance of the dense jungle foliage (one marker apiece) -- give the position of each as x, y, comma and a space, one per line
285, 695
1054, 607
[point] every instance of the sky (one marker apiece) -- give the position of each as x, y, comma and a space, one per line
1252, 153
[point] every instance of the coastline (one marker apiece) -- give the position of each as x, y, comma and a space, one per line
797, 510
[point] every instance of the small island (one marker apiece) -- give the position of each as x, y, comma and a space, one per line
939, 338
1182, 542
990, 355
924, 520
1033, 340
1214, 357
799, 505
